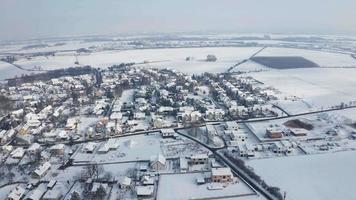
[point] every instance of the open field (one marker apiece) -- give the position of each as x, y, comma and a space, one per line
317, 177
324, 59
319, 87
184, 186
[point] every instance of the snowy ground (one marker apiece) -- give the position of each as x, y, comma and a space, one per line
9, 71
319, 87
324, 59
184, 186
132, 148
174, 58
317, 177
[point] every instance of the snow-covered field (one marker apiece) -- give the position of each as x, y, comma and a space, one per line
9, 71
322, 58
316, 177
184, 186
174, 58
319, 87
132, 148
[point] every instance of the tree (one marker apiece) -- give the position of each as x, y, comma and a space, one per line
101, 192
93, 170
75, 196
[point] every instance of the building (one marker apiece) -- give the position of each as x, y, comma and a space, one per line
16, 194
158, 163
58, 149
211, 58
166, 133
210, 129
231, 125
199, 159
183, 164
299, 131
125, 183
221, 175
41, 171
18, 153
144, 191
89, 147
111, 144
274, 133
53, 195
34, 148
245, 150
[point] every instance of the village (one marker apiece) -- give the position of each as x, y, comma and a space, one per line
131, 132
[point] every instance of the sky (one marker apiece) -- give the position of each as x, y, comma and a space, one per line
24, 19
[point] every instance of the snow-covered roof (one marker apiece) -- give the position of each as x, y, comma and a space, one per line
35, 146
126, 181
159, 158
40, 171
144, 190
223, 171
16, 193
18, 153
199, 156
36, 194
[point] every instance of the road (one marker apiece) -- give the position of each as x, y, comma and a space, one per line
245, 60
239, 172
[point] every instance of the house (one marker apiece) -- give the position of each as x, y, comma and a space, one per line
211, 130
238, 136
274, 133
299, 131
183, 164
89, 147
116, 116
111, 144
53, 195
200, 180
42, 170
58, 149
245, 150
148, 180
34, 148
278, 148
139, 115
71, 124
97, 185
51, 184
166, 133
36, 194
221, 175
18, 153
199, 159
231, 125
126, 183
214, 114
62, 135
288, 147
211, 58
158, 163
144, 191
16, 194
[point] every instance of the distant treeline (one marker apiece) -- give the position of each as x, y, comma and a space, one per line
72, 71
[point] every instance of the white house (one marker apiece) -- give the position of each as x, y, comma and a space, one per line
167, 132
16, 194
42, 170
158, 163
34, 148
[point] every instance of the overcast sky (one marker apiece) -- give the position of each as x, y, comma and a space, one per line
22, 19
